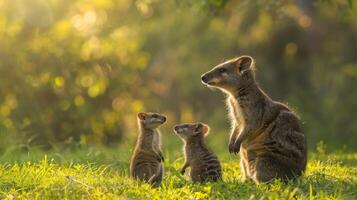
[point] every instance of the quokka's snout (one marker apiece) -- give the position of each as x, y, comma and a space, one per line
204, 79
179, 128
208, 78
163, 119
176, 128
159, 118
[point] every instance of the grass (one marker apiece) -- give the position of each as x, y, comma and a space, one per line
102, 173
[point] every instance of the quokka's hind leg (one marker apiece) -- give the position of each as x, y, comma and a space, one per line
144, 173
267, 169
215, 175
156, 179
245, 171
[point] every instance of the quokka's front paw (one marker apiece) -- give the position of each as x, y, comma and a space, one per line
162, 159
231, 147
159, 158
234, 147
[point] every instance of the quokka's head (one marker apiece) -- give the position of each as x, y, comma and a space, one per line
151, 120
191, 130
230, 74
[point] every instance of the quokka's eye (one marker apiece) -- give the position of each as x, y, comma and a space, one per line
155, 115
221, 70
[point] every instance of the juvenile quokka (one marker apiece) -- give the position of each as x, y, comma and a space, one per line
267, 133
204, 164
147, 159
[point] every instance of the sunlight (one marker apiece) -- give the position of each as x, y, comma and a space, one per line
58, 82
88, 84
97, 88
79, 100
85, 23
304, 21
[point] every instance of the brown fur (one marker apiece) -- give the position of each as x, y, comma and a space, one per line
204, 164
147, 159
267, 133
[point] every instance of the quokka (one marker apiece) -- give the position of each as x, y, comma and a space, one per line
267, 133
204, 164
147, 159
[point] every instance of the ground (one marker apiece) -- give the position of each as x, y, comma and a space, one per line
102, 173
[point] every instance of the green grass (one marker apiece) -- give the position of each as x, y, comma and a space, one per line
102, 173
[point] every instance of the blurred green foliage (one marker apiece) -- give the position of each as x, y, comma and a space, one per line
78, 71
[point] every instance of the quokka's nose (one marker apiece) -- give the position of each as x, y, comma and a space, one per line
176, 128
204, 78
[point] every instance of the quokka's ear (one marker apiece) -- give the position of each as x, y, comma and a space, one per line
205, 129
244, 63
201, 128
141, 116
198, 129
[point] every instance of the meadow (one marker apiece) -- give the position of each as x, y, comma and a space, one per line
75, 73
94, 172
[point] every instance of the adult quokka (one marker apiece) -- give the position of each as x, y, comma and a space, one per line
204, 164
267, 133
147, 159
